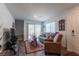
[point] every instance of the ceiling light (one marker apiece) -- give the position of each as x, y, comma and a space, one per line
35, 16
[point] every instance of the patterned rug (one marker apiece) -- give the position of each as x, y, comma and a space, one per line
7, 53
31, 49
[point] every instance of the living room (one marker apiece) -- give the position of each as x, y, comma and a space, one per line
39, 26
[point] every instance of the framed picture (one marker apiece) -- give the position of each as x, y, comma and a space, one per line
62, 25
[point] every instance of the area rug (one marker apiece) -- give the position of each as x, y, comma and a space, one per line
31, 49
7, 53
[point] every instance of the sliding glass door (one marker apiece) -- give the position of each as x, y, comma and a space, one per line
37, 31
34, 29
30, 30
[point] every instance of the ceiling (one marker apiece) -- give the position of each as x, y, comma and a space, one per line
37, 11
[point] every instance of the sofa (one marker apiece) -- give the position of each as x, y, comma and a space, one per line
53, 46
44, 36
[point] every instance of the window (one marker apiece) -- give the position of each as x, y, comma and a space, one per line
37, 30
34, 29
50, 27
30, 30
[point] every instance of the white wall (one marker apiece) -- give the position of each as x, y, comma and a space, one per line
6, 20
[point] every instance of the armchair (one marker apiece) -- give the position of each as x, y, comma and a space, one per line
53, 47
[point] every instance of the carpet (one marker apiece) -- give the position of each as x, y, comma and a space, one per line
31, 49
7, 53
